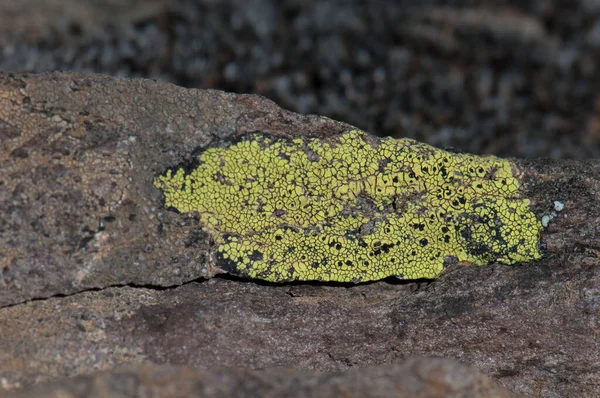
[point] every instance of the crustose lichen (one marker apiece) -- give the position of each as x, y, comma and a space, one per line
352, 208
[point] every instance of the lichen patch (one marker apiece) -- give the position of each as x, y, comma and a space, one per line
352, 208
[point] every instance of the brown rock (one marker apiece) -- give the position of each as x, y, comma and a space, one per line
416, 377
78, 157
89, 257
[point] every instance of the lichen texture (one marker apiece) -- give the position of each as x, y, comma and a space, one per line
352, 208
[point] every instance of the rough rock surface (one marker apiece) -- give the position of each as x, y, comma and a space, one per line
91, 260
79, 154
418, 377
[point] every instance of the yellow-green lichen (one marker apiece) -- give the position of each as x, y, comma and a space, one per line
353, 208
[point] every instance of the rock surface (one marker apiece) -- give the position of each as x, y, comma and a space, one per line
418, 377
79, 154
95, 273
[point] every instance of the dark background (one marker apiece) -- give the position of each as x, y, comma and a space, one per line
512, 78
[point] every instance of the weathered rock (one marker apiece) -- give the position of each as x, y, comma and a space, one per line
79, 217
79, 154
417, 377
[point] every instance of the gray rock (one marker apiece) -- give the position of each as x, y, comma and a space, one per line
416, 377
95, 273
79, 154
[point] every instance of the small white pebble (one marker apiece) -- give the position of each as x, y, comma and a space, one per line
558, 205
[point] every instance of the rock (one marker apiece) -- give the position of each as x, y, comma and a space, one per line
79, 154
416, 377
95, 273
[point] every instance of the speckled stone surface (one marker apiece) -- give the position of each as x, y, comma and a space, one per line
89, 282
416, 377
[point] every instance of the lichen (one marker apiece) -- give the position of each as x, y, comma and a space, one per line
352, 208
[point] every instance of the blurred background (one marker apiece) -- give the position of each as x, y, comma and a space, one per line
511, 78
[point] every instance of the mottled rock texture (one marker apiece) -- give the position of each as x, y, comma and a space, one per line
418, 377
96, 273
